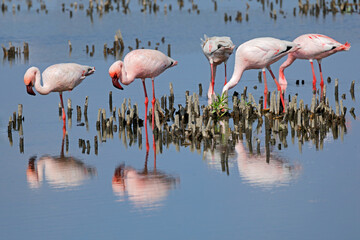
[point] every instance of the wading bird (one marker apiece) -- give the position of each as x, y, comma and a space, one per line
313, 46
260, 53
217, 50
56, 78
140, 63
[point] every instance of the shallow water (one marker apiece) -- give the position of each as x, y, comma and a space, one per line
302, 193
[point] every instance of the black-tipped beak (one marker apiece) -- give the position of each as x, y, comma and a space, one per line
30, 90
90, 71
116, 83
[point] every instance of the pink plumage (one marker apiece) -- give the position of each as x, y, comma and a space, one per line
140, 63
56, 78
313, 46
259, 53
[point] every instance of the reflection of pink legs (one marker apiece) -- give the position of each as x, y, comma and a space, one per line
278, 88
154, 148
314, 77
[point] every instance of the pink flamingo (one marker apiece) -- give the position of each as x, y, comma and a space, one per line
217, 50
313, 46
140, 63
260, 53
56, 78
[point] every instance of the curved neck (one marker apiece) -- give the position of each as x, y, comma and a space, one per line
288, 62
125, 78
212, 76
41, 89
238, 71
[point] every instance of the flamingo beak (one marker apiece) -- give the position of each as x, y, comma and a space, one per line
116, 83
90, 71
30, 90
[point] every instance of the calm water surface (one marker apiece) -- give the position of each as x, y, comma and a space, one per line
122, 192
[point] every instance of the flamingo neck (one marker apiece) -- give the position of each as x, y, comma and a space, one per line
126, 78
238, 72
212, 76
44, 90
288, 62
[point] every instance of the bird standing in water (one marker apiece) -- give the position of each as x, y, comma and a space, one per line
56, 78
140, 63
217, 50
313, 46
260, 53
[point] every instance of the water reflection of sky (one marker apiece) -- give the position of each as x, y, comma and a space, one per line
323, 187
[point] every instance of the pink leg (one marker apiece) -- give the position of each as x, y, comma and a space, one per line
153, 103
146, 111
278, 87
314, 77
225, 74
63, 112
321, 75
154, 148
153, 117
266, 89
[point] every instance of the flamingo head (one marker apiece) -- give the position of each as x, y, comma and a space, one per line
115, 73
29, 79
89, 71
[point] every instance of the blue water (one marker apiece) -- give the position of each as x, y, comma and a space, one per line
303, 193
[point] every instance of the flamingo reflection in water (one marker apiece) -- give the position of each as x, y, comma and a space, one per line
145, 188
263, 170
59, 171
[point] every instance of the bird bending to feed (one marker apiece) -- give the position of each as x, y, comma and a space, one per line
56, 78
313, 46
140, 63
260, 53
217, 50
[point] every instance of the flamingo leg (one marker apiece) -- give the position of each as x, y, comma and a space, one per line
321, 75
278, 87
153, 117
146, 110
63, 113
225, 74
153, 103
313, 72
154, 148
266, 89
62, 145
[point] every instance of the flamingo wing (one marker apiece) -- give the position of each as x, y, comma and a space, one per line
147, 63
64, 76
265, 51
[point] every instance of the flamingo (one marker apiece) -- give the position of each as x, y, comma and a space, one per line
217, 50
140, 63
260, 53
313, 46
265, 170
56, 78
59, 171
144, 188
